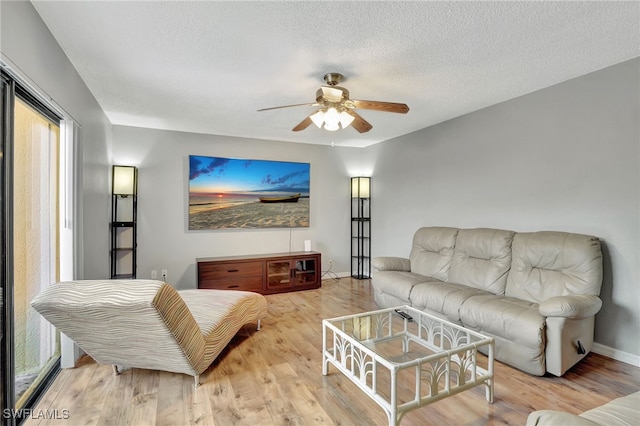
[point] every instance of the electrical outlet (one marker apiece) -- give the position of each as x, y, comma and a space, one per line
154, 273
164, 274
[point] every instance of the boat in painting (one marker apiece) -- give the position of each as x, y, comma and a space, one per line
284, 199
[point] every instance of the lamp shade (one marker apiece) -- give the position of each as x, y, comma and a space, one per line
318, 118
331, 119
346, 119
360, 187
125, 180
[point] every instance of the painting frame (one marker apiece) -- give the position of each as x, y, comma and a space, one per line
242, 193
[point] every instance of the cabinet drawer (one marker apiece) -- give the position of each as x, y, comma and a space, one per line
244, 284
229, 270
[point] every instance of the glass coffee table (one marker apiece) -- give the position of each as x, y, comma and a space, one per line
404, 358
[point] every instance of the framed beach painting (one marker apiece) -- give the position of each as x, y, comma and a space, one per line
228, 193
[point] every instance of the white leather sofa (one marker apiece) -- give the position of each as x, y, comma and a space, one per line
536, 293
621, 411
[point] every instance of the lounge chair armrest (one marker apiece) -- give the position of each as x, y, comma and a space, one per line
389, 263
575, 306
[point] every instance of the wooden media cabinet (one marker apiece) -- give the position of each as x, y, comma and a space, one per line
263, 273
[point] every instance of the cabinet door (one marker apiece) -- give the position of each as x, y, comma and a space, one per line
279, 274
295, 273
305, 271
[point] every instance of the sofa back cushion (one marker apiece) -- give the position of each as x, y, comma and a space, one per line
481, 259
547, 264
432, 251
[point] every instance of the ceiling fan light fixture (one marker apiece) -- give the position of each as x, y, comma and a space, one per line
346, 119
331, 115
337, 110
317, 118
331, 119
332, 127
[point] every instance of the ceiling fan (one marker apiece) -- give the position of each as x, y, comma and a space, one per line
337, 111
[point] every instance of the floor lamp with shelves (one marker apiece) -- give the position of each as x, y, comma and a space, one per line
124, 223
361, 227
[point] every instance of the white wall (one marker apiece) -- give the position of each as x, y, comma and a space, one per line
565, 158
30, 49
164, 242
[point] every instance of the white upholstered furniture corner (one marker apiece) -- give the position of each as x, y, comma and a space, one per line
536, 293
623, 411
147, 323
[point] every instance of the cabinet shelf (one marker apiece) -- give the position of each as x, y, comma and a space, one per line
124, 229
123, 224
122, 276
361, 238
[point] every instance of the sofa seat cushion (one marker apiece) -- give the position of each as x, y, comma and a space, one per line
397, 283
512, 319
443, 298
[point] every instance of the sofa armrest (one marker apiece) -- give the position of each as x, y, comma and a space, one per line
391, 264
575, 306
555, 418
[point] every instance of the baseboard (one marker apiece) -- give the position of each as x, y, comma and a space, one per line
328, 275
616, 354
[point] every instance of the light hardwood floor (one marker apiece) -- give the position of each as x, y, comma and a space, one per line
273, 377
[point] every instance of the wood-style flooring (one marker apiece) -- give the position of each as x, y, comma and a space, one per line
273, 377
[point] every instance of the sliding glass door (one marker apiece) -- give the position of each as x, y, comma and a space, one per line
35, 243
30, 170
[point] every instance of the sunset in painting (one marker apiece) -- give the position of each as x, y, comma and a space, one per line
236, 193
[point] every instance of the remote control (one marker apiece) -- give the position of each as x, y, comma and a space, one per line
404, 315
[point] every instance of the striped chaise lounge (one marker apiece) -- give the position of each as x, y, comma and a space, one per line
147, 323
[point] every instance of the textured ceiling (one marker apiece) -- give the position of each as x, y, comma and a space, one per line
206, 67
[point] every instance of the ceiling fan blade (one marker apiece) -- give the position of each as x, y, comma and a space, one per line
303, 124
381, 106
359, 123
288, 106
